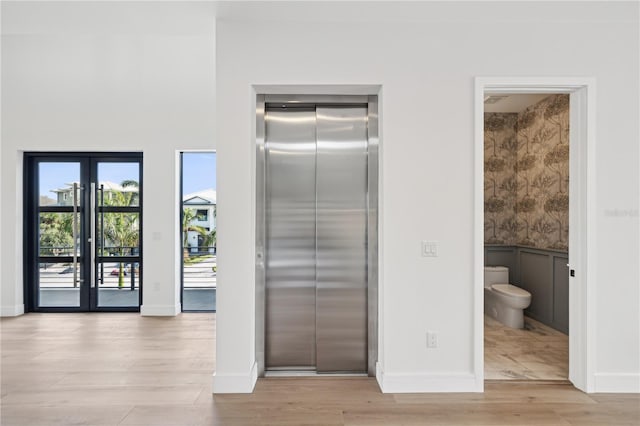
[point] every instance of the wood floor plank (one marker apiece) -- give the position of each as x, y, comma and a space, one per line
620, 413
455, 414
62, 415
135, 378
169, 415
105, 395
505, 393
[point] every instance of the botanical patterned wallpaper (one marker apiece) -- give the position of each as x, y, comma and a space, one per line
526, 182
500, 183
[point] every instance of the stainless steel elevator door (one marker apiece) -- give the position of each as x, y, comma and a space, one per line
290, 158
341, 266
316, 234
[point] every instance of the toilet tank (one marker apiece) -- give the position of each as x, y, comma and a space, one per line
496, 275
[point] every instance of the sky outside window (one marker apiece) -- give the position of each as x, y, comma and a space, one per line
198, 171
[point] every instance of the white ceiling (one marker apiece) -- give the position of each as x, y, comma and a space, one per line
513, 102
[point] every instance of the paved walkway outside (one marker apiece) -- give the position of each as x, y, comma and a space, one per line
60, 275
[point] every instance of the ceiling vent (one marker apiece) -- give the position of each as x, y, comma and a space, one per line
494, 99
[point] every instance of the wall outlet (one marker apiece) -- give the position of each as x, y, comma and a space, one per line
432, 339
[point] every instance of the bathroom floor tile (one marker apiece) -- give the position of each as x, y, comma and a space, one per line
536, 352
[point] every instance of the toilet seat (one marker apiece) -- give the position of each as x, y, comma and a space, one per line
510, 290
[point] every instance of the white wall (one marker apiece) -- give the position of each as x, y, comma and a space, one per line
113, 76
140, 76
426, 56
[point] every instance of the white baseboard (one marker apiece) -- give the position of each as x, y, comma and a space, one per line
160, 310
11, 310
236, 383
379, 374
617, 383
427, 383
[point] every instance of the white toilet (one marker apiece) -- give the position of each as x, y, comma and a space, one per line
503, 301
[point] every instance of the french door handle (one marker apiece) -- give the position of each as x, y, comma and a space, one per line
92, 238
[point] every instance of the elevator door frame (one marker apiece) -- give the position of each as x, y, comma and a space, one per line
293, 101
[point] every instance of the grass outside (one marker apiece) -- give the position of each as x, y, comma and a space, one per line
197, 259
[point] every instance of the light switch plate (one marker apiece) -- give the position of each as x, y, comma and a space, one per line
429, 248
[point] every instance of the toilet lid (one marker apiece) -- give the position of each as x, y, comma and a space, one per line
510, 290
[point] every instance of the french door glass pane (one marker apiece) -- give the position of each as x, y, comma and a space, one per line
119, 283
57, 288
55, 235
56, 183
119, 234
119, 183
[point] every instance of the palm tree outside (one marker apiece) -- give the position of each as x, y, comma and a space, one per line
188, 214
121, 230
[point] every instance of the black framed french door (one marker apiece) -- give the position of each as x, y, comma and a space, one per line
83, 231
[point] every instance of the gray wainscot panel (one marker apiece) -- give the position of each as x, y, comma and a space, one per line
535, 277
560, 293
503, 256
544, 274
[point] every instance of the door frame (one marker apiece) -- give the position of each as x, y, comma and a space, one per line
297, 95
29, 231
582, 216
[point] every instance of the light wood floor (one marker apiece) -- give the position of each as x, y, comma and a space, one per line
536, 352
123, 369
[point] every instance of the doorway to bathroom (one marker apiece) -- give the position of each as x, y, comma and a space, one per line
531, 228
526, 230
